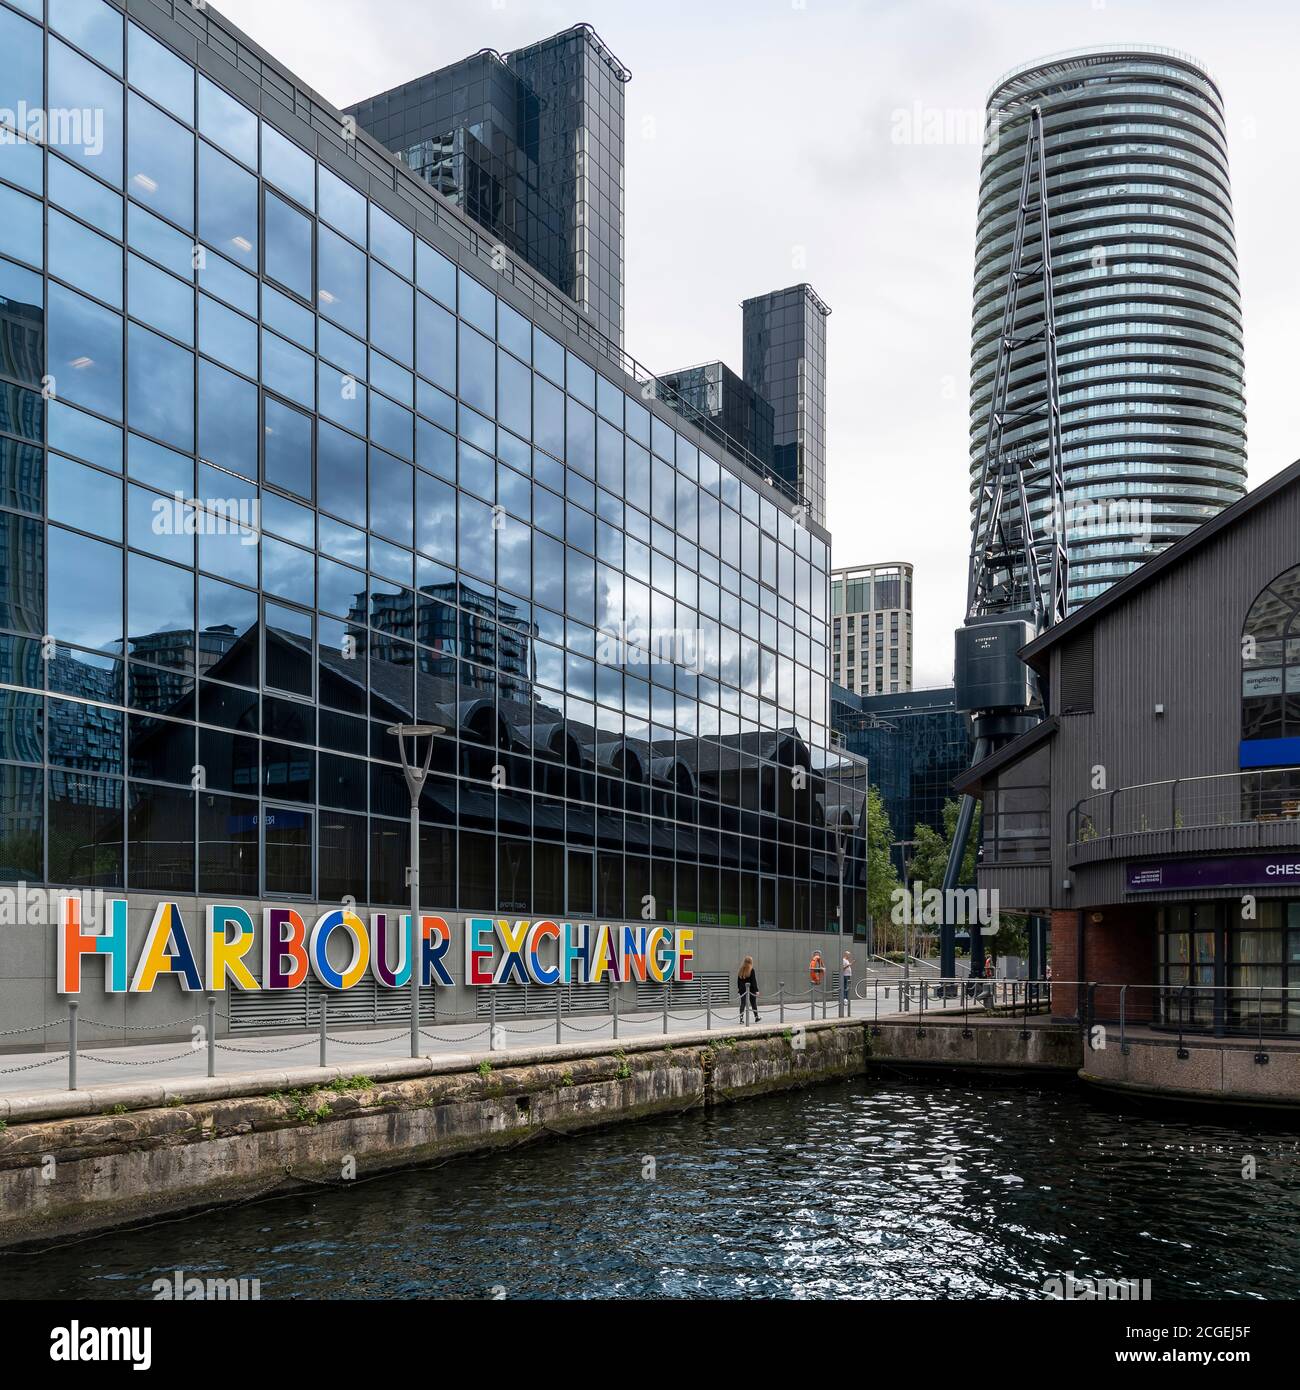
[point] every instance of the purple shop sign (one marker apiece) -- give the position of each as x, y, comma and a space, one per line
1247, 871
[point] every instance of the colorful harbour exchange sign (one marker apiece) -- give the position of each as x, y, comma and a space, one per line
497, 951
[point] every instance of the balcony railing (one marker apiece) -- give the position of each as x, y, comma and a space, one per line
1230, 798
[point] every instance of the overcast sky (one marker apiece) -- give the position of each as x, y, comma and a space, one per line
764, 149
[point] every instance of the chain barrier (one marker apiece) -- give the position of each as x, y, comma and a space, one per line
578, 1028
142, 1027
362, 1042
35, 1028
265, 1051
441, 1037
31, 1066
151, 1062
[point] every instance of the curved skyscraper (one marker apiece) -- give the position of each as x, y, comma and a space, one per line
1148, 311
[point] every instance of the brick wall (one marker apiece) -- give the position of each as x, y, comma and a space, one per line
1118, 950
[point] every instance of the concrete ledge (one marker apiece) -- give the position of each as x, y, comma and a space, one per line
1220, 1071
82, 1171
58, 1104
928, 1040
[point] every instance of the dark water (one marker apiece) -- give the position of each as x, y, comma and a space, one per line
865, 1189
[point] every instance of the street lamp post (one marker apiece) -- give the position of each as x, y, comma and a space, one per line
839, 863
416, 772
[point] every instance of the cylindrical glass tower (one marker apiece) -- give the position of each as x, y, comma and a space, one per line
1148, 311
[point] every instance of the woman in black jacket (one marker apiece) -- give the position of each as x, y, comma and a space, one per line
747, 984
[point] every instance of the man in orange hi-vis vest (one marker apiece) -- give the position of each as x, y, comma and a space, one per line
816, 970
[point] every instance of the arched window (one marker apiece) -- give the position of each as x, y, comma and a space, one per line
1270, 676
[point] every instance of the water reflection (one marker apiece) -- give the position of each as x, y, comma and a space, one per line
865, 1190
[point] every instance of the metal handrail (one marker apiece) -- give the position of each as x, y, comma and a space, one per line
1178, 798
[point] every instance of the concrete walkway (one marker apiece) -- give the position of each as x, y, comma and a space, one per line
101, 1064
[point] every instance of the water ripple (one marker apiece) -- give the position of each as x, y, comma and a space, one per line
863, 1190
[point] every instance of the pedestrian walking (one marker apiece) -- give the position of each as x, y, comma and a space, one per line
747, 987
846, 976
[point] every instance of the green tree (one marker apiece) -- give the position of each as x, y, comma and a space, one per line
882, 873
929, 863
930, 856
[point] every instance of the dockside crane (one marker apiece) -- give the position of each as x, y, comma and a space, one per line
1018, 575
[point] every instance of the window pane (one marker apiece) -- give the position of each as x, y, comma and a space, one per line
226, 123
22, 67
288, 246
85, 259
227, 420
160, 163
342, 206
85, 352
288, 167
390, 241
390, 313
92, 133
286, 435
160, 833
160, 299
160, 74
21, 824
160, 619
85, 832
341, 281
228, 848
227, 207
160, 386
93, 26
85, 591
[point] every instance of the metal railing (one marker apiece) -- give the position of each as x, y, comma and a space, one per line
1257, 1013
960, 998
824, 1001
1229, 798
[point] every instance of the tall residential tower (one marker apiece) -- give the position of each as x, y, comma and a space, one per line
1148, 310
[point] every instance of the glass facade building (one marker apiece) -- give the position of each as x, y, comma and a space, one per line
1148, 309
530, 145
724, 407
284, 460
784, 344
915, 742
871, 628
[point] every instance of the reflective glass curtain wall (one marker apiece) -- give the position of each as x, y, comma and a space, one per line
293, 477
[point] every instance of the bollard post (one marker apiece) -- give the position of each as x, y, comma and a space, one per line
72, 1044
665, 1008
708, 1008
615, 1013
780, 995
559, 1015
824, 974
324, 1024
212, 1035
492, 1024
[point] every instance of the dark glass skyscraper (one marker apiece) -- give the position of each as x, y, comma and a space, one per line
915, 743
530, 145
724, 406
785, 363
1148, 310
